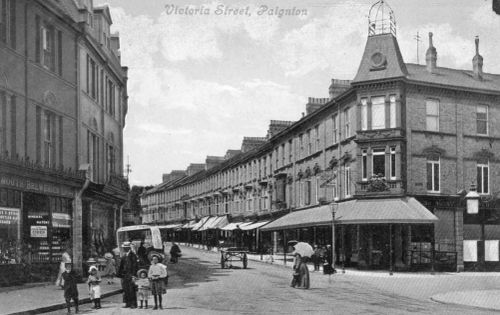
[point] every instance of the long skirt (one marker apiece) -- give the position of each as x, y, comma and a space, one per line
129, 296
302, 276
158, 286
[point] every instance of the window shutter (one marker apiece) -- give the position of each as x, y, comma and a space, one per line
13, 23
37, 40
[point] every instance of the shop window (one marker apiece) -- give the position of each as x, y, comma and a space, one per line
433, 174
482, 120
483, 185
378, 162
9, 233
432, 115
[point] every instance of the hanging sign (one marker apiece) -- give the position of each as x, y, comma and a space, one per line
38, 231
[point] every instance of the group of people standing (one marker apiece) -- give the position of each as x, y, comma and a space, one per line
137, 284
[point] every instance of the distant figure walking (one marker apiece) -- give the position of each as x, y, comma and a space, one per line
300, 273
175, 253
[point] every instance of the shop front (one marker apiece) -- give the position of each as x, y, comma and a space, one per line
369, 234
36, 214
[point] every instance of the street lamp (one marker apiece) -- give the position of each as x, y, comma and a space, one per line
472, 198
334, 207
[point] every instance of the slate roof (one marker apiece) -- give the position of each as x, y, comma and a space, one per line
453, 77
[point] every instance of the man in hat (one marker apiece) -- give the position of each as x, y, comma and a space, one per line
127, 271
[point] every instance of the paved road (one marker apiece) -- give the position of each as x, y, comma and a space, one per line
199, 286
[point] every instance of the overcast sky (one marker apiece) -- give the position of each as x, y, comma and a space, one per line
199, 83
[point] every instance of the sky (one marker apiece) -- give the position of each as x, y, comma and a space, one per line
198, 83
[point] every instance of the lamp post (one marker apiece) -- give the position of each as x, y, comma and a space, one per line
334, 206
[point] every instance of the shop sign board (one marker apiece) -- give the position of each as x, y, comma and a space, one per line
38, 231
9, 215
34, 185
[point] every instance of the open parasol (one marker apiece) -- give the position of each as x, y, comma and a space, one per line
303, 249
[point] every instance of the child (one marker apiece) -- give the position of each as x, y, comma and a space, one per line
69, 286
157, 272
144, 287
110, 270
94, 287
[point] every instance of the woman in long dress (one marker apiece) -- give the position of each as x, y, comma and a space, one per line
65, 258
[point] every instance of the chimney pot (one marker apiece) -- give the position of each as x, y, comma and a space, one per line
431, 56
477, 62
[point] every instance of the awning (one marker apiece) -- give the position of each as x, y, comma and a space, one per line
169, 226
255, 225
234, 225
214, 222
364, 211
200, 223
189, 225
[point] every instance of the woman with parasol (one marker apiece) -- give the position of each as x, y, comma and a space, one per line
302, 251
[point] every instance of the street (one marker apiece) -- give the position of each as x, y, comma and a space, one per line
197, 285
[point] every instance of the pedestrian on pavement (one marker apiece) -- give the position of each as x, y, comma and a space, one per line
328, 267
70, 288
65, 258
316, 257
110, 269
143, 288
127, 272
142, 254
175, 253
94, 282
157, 273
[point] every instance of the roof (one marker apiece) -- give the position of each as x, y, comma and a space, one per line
453, 77
364, 211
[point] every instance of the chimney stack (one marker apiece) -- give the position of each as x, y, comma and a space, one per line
431, 56
477, 62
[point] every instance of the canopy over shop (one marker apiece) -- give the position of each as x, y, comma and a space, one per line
372, 230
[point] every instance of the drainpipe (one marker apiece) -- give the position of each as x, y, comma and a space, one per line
77, 229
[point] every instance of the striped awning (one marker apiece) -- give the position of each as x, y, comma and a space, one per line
235, 225
255, 225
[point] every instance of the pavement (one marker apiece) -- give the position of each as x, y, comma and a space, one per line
46, 297
471, 289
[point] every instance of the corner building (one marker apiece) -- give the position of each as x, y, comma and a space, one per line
61, 124
393, 152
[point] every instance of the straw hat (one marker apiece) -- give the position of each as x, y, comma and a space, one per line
108, 255
153, 254
126, 244
92, 268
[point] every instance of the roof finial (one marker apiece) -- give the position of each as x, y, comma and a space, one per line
477, 62
477, 45
430, 39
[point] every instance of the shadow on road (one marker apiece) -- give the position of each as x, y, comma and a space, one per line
190, 271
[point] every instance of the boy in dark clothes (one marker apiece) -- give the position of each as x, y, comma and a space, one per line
70, 288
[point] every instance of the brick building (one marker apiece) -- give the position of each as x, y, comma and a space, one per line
395, 150
63, 101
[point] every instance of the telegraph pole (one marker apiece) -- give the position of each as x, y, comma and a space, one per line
128, 170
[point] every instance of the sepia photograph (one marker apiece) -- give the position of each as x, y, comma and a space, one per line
249, 157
